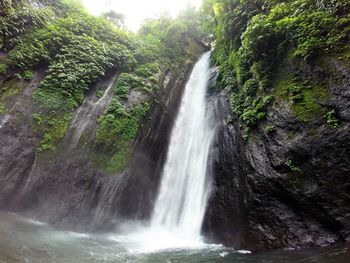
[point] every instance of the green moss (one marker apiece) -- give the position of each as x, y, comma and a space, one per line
52, 129
269, 129
119, 160
292, 166
148, 70
256, 110
246, 133
115, 135
3, 69
113, 163
252, 42
99, 93
124, 83
304, 97
292, 135
27, 75
309, 108
345, 53
10, 89
144, 79
331, 119
312, 131
2, 108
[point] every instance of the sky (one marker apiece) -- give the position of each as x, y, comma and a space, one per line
136, 11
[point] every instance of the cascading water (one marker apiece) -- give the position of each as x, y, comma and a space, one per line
87, 115
185, 185
184, 189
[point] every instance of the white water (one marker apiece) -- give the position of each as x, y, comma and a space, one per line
87, 115
185, 185
4, 120
184, 189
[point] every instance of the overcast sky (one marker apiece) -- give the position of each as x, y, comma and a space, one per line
136, 11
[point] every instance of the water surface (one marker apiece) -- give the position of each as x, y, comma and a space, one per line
25, 240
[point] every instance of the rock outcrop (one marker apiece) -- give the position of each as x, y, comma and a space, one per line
64, 187
289, 187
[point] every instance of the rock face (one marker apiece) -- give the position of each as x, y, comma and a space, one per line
64, 188
150, 152
59, 188
288, 188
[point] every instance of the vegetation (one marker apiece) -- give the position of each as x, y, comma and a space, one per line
305, 97
21, 21
3, 69
168, 38
52, 128
116, 132
331, 119
253, 38
77, 50
269, 129
2, 108
292, 167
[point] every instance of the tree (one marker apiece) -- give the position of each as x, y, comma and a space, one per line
118, 19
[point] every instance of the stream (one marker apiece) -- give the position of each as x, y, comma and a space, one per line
26, 240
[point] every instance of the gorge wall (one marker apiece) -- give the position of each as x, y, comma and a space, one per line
86, 109
281, 153
285, 188
65, 188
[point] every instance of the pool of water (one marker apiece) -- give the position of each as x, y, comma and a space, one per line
25, 240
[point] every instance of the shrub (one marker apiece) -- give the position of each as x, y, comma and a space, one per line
27, 75
53, 129
116, 132
2, 108
77, 66
3, 69
21, 21
147, 70
269, 129
331, 119
253, 38
292, 166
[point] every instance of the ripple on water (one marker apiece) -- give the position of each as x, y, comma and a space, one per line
26, 241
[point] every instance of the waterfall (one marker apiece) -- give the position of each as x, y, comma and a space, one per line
86, 117
184, 188
179, 209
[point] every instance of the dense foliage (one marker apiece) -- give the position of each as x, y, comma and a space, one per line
77, 51
254, 37
118, 127
169, 37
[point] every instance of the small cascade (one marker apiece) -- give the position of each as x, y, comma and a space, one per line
88, 114
8, 116
4, 120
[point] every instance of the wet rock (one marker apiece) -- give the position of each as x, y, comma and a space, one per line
287, 189
63, 187
151, 146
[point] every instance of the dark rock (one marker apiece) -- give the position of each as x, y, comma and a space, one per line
259, 202
64, 188
150, 151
